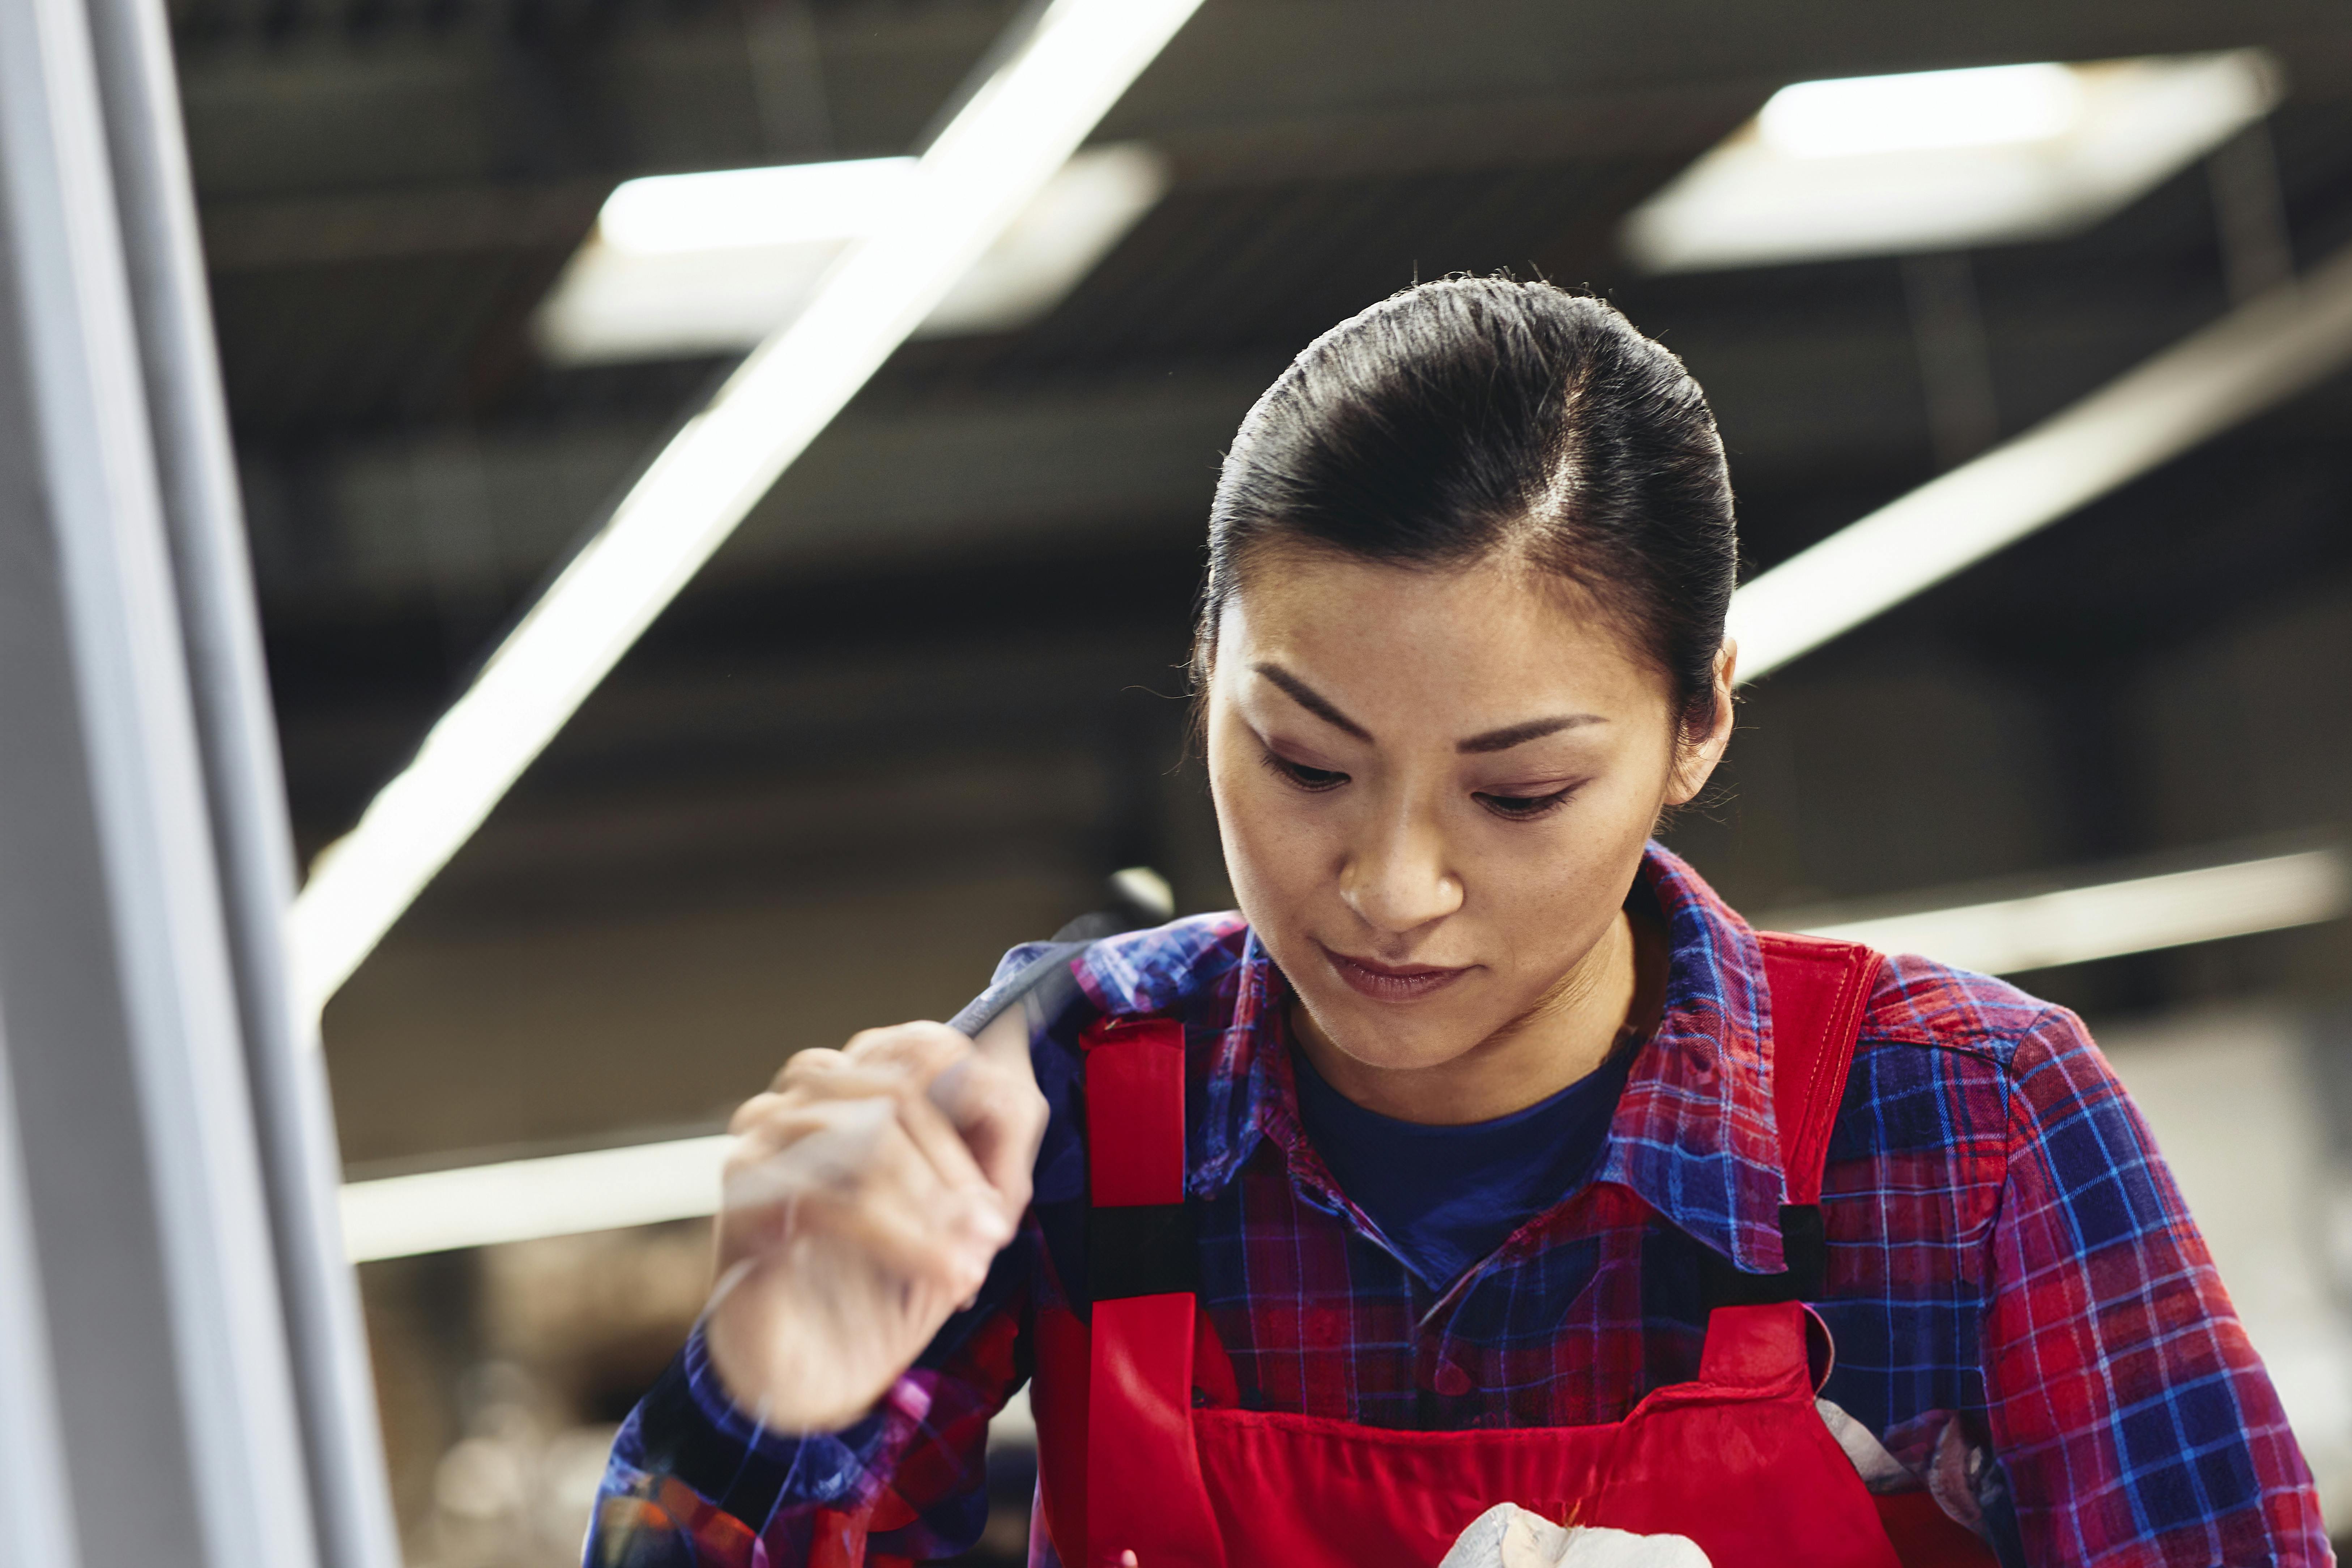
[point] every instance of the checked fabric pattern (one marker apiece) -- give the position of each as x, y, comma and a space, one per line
2012, 1276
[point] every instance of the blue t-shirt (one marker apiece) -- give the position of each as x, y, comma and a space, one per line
1447, 1196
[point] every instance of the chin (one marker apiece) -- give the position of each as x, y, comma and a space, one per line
1376, 1036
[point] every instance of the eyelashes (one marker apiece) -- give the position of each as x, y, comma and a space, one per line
1509, 807
1524, 808
1315, 780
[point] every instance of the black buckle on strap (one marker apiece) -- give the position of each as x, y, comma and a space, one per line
1142, 1249
1804, 1243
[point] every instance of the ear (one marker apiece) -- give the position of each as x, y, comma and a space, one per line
1695, 758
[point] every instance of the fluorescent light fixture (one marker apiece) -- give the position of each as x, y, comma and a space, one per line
751, 209
1941, 159
2141, 914
698, 264
2260, 354
1857, 115
527, 1200
969, 188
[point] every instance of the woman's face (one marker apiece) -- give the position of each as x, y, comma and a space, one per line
1434, 787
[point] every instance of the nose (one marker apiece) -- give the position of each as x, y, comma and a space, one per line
1396, 878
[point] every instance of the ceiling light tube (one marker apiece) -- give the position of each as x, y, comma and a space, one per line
1017, 128
1920, 111
1888, 166
529, 1200
2108, 920
791, 204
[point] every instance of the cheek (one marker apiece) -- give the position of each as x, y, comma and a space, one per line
1273, 848
1546, 894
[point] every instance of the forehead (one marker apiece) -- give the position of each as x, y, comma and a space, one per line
1495, 641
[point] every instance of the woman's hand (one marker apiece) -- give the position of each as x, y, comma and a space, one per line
870, 1190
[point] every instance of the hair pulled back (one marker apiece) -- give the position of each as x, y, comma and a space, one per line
1471, 418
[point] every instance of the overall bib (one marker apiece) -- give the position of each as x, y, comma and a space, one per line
1739, 1461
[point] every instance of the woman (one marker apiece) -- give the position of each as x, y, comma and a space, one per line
1483, 1156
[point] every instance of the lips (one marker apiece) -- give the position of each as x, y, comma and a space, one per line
1392, 982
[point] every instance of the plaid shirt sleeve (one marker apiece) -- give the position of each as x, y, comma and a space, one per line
2134, 1422
693, 1480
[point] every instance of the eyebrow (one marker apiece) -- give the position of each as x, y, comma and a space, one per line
1501, 740
1511, 735
1314, 701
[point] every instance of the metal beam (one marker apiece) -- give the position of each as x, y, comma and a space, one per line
2251, 360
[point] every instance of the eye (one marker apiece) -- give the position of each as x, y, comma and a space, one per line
1524, 807
1313, 780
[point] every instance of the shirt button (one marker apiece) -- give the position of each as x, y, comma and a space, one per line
1451, 1381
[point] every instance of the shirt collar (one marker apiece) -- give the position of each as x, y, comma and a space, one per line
1694, 1134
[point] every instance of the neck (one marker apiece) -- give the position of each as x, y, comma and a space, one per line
1564, 1038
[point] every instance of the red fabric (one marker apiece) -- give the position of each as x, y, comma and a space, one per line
1134, 1082
1144, 1488
1924, 1536
1058, 1399
1818, 990
1145, 1483
1738, 1461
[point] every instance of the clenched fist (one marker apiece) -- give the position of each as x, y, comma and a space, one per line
870, 1190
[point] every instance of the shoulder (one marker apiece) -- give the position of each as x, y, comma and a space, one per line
1997, 1057
1922, 1004
1195, 969
1184, 967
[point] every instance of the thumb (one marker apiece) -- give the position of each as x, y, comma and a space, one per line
990, 1094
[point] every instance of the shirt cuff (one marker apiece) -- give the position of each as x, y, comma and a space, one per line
763, 1468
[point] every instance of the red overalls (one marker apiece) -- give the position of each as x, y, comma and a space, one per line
1738, 1461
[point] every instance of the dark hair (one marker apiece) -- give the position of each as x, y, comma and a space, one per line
1476, 415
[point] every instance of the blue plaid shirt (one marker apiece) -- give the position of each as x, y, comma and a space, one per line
2026, 1323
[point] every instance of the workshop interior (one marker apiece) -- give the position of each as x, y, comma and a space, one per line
565, 550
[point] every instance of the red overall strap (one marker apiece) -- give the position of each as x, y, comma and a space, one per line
1819, 988
1144, 1490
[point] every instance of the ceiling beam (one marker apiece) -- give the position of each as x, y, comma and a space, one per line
2249, 361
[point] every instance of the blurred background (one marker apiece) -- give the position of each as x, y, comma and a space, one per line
929, 697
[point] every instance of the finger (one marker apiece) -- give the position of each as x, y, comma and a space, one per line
806, 1059
923, 1046
908, 1239
800, 1147
895, 1220
930, 1127
1000, 1117
842, 1071
930, 1132
754, 1109
876, 1149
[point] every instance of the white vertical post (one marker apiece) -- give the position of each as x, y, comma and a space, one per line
130, 1109
236, 734
36, 1525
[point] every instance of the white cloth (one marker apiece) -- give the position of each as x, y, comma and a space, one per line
1509, 1536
